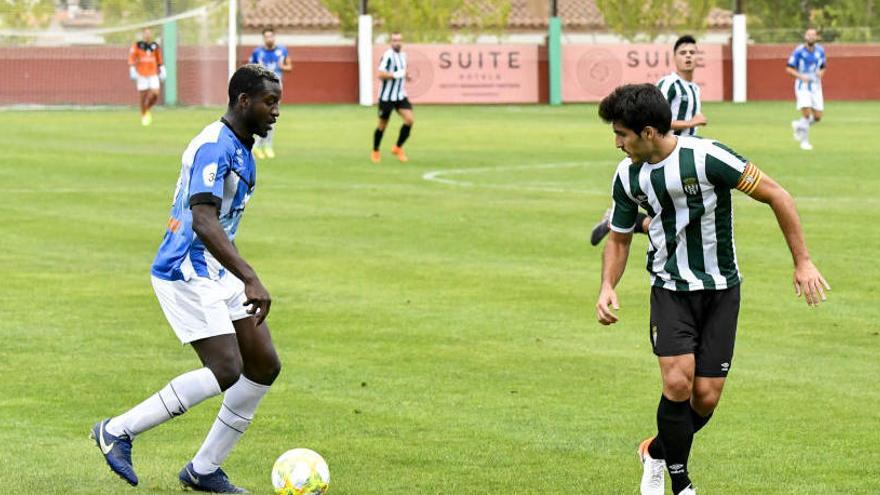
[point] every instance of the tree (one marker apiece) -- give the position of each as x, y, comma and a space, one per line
427, 20
29, 14
836, 20
648, 19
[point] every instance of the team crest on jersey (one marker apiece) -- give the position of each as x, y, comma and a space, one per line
691, 186
642, 200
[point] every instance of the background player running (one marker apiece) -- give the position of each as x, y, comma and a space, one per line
392, 96
683, 96
145, 68
276, 58
685, 183
210, 295
807, 64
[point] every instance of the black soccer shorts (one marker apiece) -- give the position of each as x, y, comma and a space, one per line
386, 107
702, 323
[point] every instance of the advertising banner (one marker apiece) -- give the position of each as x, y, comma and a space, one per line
590, 72
468, 73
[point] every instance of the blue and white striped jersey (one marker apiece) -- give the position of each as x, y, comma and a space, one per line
271, 59
217, 168
807, 62
392, 89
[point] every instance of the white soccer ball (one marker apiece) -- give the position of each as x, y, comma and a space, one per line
300, 472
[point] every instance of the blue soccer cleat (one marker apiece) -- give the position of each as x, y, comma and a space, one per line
116, 451
216, 482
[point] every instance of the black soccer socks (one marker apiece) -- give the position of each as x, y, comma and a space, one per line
404, 134
377, 139
675, 429
655, 448
699, 421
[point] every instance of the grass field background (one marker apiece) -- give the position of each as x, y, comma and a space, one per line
438, 336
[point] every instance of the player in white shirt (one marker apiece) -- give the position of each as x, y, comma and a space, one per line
392, 96
807, 65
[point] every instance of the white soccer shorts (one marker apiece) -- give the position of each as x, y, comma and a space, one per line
147, 82
200, 307
810, 98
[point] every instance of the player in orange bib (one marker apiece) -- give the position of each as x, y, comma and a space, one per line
146, 69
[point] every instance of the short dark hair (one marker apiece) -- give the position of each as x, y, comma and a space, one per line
684, 40
248, 79
636, 106
269, 29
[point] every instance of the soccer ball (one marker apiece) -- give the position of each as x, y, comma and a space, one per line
300, 472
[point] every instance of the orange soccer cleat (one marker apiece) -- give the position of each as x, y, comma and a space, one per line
398, 152
375, 157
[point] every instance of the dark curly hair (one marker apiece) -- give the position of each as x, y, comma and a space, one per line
248, 79
636, 106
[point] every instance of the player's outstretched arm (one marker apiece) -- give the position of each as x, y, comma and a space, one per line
207, 226
807, 279
613, 264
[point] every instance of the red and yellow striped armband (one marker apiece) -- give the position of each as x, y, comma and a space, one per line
749, 179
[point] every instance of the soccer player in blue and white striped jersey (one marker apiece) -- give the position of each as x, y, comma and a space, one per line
807, 65
392, 96
686, 185
276, 58
210, 295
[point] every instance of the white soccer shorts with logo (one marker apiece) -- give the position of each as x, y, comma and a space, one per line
200, 307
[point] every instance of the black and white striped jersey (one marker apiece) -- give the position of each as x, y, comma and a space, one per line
393, 89
688, 197
684, 100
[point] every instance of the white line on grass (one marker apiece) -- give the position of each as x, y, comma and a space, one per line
442, 176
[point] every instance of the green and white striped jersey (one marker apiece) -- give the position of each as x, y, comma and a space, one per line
684, 99
688, 196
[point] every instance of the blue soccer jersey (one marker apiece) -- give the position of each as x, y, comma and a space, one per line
217, 169
807, 62
271, 59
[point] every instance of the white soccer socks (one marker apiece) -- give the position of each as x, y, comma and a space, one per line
236, 413
181, 393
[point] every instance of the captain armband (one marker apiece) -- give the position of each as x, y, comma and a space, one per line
749, 179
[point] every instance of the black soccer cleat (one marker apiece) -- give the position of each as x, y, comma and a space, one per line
216, 482
601, 229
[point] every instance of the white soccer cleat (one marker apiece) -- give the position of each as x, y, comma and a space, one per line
688, 491
805, 145
653, 471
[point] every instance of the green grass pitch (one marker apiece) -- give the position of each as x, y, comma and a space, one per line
438, 336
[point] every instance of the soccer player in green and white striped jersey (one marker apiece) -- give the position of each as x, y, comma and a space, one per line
683, 96
680, 90
685, 184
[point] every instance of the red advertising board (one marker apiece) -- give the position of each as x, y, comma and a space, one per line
468, 73
590, 72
